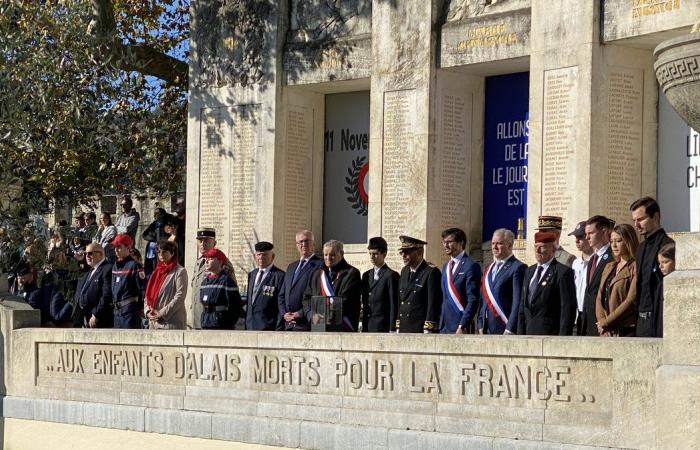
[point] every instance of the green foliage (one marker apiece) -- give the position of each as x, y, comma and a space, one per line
73, 125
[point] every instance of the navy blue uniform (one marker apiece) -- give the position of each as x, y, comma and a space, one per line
127, 285
221, 301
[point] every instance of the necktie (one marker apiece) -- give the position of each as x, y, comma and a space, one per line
376, 275
450, 266
496, 268
300, 267
592, 266
256, 286
533, 284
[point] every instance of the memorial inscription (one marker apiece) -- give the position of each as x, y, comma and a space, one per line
214, 162
246, 150
477, 379
298, 187
488, 36
454, 159
398, 168
642, 8
559, 146
624, 166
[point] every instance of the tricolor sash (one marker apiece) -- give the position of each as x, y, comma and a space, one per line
326, 285
328, 291
448, 286
489, 296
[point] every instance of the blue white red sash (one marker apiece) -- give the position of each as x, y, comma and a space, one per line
451, 289
489, 296
328, 291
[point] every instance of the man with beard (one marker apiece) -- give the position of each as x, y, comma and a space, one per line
461, 277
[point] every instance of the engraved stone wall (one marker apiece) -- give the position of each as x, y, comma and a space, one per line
559, 141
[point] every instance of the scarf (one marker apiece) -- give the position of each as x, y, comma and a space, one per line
155, 282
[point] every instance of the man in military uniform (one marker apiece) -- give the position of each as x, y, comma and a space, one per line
420, 293
553, 224
206, 240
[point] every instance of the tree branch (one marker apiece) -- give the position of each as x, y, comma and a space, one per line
139, 58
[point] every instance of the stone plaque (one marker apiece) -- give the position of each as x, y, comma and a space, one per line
214, 166
455, 162
624, 165
632, 18
400, 172
298, 186
559, 141
486, 38
229, 150
246, 152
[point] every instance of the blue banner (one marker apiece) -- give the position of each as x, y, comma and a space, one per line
506, 133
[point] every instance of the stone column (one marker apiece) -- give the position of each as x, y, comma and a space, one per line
413, 161
678, 378
592, 118
233, 162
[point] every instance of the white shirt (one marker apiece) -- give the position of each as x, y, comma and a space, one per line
580, 267
498, 265
545, 267
601, 251
376, 272
456, 260
94, 269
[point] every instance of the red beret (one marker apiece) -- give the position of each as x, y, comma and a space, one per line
545, 237
216, 254
123, 239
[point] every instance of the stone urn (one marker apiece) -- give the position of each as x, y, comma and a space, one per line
677, 68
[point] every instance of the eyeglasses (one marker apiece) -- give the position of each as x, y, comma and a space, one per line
305, 241
95, 252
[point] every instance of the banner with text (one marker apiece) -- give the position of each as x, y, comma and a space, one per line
505, 152
346, 165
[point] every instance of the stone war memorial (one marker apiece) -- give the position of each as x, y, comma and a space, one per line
362, 118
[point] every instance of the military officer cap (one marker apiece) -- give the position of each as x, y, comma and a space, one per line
549, 223
580, 230
264, 246
206, 233
378, 243
545, 237
410, 243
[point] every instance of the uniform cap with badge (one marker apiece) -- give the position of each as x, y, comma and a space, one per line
206, 233
545, 237
549, 223
409, 243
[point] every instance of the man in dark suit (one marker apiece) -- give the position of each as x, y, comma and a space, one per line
380, 291
336, 278
93, 295
646, 216
420, 293
548, 301
264, 286
501, 287
598, 229
461, 276
296, 279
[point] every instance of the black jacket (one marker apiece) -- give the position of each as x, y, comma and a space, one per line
347, 284
95, 297
262, 309
650, 286
380, 300
553, 307
420, 299
588, 324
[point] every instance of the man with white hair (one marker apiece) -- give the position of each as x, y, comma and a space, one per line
501, 287
336, 278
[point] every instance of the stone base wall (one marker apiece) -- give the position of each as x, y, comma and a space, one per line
336, 390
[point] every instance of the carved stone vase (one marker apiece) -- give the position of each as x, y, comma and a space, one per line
677, 68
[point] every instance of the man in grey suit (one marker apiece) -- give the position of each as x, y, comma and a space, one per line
501, 287
264, 286
380, 291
